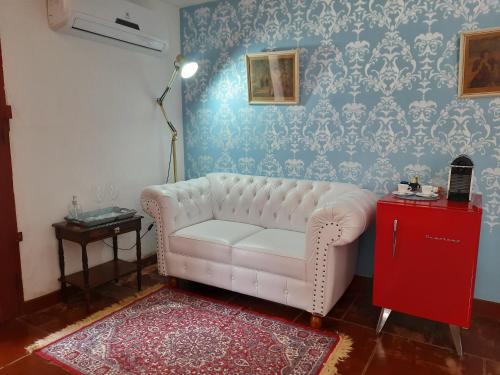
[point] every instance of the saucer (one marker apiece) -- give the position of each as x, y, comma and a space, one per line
403, 194
431, 195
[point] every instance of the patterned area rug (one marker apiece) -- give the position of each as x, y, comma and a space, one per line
167, 331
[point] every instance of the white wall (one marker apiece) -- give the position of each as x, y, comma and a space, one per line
83, 115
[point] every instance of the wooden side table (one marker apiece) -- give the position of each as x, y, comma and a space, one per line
90, 278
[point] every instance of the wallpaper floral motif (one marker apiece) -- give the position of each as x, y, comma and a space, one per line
378, 97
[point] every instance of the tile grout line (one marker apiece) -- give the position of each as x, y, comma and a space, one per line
298, 316
14, 361
349, 308
450, 349
370, 359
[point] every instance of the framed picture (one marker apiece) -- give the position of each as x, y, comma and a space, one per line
479, 68
273, 77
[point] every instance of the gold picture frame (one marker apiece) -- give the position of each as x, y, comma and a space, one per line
479, 67
273, 77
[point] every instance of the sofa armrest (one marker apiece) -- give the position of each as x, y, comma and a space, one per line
175, 206
342, 220
180, 204
331, 248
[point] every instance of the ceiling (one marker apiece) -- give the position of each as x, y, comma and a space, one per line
186, 3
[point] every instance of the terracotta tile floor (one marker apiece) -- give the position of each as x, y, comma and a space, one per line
406, 346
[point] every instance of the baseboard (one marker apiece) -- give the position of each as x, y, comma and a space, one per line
479, 308
50, 299
44, 301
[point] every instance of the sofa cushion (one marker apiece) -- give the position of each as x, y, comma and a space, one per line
276, 251
210, 239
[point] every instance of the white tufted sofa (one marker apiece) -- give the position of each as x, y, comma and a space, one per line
289, 241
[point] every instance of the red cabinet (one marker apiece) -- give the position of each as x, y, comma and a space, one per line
425, 259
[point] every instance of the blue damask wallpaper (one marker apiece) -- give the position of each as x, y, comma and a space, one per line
378, 99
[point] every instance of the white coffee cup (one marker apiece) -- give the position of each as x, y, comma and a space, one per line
427, 189
403, 188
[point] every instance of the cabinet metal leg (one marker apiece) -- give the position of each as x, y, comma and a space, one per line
384, 315
457, 340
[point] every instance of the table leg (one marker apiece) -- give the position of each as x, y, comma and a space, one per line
139, 259
115, 256
86, 288
61, 268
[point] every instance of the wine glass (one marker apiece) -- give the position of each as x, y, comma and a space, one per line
113, 193
98, 194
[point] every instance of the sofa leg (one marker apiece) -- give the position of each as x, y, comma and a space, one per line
316, 321
172, 281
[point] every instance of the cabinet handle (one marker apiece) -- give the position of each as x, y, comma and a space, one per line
394, 237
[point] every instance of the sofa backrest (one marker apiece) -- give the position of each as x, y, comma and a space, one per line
276, 203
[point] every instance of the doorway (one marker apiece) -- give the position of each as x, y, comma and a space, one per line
11, 289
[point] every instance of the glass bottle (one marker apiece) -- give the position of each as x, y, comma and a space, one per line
75, 209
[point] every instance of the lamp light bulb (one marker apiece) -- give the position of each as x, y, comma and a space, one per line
189, 69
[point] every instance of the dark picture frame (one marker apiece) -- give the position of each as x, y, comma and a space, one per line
273, 77
479, 68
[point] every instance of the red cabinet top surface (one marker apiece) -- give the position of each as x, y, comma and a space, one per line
475, 204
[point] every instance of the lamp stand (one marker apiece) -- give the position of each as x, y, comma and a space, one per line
174, 154
159, 101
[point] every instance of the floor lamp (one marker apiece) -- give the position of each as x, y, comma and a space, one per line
187, 69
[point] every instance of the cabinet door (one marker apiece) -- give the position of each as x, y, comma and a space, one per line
425, 262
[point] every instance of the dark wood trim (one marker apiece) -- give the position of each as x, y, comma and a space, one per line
361, 283
45, 301
11, 294
6, 113
484, 308
50, 299
479, 307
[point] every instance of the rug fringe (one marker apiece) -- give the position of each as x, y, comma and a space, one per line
39, 344
340, 353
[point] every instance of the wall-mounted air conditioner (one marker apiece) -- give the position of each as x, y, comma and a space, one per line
118, 20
